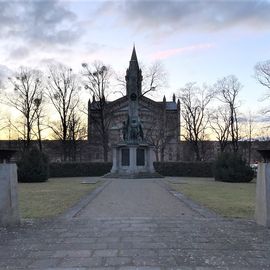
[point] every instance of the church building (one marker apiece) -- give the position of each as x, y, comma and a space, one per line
160, 121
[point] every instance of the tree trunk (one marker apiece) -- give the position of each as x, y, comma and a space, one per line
105, 153
39, 136
162, 154
157, 156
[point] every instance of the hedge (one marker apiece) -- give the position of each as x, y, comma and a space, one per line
191, 169
76, 169
231, 167
33, 166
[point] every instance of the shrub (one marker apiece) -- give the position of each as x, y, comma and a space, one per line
73, 169
189, 169
33, 166
231, 167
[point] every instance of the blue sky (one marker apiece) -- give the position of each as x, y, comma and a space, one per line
198, 40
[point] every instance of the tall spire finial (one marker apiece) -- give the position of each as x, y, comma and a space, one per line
134, 55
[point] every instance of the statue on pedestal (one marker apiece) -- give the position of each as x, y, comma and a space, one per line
133, 158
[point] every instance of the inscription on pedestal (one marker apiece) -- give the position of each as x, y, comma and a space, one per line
125, 157
140, 157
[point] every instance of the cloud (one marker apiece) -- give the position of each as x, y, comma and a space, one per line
208, 15
19, 52
259, 118
38, 22
5, 72
171, 52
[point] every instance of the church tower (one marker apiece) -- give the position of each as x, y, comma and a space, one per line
134, 76
133, 157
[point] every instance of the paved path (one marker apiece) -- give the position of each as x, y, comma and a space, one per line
135, 198
110, 238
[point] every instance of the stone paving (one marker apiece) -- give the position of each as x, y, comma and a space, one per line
135, 198
160, 241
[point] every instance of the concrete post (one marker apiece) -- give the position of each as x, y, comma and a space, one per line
262, 209
9, 209
132, 164
115, 160
151, 159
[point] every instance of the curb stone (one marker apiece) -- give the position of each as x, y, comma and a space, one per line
75, 210
201, 210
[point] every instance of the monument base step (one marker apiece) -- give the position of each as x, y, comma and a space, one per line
139, 175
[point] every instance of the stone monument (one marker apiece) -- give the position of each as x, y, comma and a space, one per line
9, 209
262, 206
133, 157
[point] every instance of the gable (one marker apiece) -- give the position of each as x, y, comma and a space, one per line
145, 105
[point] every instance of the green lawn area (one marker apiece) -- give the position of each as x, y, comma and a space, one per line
226, 199
51, 198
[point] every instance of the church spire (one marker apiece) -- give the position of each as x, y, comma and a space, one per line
134, 55
134, 75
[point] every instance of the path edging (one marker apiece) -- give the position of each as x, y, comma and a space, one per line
75, 209
202, 210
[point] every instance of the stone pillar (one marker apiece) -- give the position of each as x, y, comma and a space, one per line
132, 155
262, 209
115, 160
151, 159
9, 209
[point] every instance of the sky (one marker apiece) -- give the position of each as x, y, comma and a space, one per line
197, 41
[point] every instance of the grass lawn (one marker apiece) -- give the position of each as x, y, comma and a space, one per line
51, 198
226, 199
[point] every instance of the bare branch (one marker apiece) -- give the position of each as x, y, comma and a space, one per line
195, 115
97, 78
28, 87
228, 89
62, 90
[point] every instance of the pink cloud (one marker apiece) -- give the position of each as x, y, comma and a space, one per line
171, 52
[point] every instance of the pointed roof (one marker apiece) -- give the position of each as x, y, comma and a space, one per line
134, 55
133, 58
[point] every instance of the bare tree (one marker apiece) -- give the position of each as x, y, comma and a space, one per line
39, 108
76, 131
27, 87
2, 126
195, 116
160, 130
156, 135
220, 125
155, 78
249, 132
97, 81
62, 90
228, 89
262, 73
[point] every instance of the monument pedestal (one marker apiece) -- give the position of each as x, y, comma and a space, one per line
262, 210
133, 161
